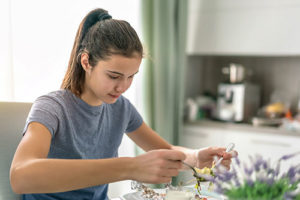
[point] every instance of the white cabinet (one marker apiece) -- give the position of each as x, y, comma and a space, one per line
195, 137
248, 142
269, 146
243, 27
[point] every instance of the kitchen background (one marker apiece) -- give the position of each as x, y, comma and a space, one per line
260, 36
280, 73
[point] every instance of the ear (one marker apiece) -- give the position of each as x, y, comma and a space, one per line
85, 63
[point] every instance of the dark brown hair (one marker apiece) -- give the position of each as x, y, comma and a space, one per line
99, 36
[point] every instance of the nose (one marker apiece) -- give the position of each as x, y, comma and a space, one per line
122, 86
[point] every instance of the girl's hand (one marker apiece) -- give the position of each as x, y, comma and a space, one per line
205, 157
157, 166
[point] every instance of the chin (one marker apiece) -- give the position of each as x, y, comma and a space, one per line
110, 100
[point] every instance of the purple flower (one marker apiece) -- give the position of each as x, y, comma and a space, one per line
259, 170
225, 177
257, 164
233, 169
228, 175
277, 170
250, 182
286, 157
236, 181
270, 171
219, 189
291, 172
237, 160
293, 175
290, 195
265, 164
270, 181
248, 171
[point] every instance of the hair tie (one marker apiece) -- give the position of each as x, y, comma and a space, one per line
92, 18
104, 16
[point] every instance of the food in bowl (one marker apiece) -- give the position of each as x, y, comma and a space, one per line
204, 173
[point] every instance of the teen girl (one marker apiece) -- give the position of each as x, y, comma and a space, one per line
71, 137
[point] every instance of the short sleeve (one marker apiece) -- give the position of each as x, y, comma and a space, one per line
135, 119
45, 111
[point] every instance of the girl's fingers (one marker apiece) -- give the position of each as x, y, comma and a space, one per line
226, 163
229, 155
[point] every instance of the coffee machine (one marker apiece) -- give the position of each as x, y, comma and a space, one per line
238, 100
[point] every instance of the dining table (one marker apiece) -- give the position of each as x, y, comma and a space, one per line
137, 195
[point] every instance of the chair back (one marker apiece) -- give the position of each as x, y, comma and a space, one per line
12, 121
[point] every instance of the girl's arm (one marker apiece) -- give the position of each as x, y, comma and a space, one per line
32, 172
148, 140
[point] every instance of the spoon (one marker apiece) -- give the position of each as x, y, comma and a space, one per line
229, 148
192, 168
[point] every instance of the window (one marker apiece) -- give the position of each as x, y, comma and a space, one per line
37, 40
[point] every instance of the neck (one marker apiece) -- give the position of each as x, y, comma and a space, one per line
90, 100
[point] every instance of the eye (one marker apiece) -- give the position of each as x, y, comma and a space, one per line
113, 77
131, 77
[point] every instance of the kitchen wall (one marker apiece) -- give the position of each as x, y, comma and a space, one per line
204, 73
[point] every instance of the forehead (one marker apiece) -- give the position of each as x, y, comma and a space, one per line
120, 63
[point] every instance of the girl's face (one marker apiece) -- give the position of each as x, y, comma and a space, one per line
109, 78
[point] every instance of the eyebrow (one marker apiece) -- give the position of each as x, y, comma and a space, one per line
114, 72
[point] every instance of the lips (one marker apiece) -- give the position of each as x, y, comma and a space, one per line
114, 96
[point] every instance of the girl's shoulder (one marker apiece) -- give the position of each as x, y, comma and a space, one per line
58, 94
53, 99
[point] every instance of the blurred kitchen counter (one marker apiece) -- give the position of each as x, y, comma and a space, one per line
268, 142
242, 127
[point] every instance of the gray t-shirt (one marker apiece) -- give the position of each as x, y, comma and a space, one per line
81, 131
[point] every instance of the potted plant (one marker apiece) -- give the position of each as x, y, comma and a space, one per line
258, 179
